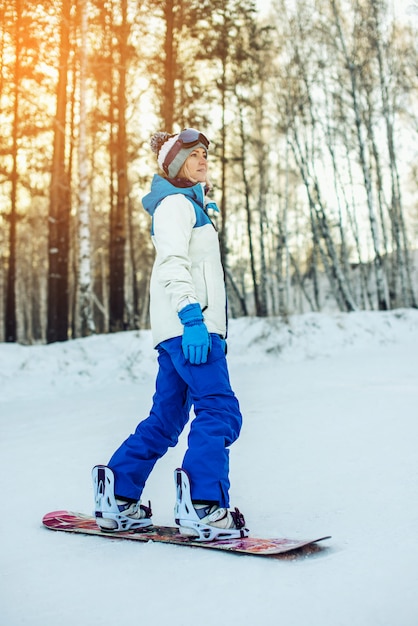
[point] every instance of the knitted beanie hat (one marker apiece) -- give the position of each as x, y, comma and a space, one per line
173, 150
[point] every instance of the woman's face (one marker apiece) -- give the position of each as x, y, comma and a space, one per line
197, 165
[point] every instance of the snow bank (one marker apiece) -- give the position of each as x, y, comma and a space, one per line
314, 335
129, 356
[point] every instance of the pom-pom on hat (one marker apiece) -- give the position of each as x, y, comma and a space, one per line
173, 150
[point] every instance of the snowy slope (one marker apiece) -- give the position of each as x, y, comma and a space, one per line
329, 446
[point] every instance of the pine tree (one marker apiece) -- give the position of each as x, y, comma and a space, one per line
59, 212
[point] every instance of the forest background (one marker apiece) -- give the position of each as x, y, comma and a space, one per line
312, 113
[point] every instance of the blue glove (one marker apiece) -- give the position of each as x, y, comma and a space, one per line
196, 340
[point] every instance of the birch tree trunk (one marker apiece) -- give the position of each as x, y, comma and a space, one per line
366, 298
282, 250
10, 317
260, 149
85, 321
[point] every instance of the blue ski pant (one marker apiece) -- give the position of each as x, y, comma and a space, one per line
216, 425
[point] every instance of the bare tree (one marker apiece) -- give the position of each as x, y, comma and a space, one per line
379, 45
117, 232
59, 212
353, 72
170, 64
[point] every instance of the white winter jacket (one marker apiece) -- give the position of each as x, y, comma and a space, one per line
188, 265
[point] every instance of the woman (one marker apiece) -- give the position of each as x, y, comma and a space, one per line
188, 321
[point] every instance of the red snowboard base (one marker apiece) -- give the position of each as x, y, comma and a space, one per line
69, 522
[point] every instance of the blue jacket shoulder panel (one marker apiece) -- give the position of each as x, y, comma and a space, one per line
161, 188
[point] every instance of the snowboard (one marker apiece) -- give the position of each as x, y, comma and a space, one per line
69, 522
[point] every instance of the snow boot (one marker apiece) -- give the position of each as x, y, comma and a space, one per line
115, 514
205, 521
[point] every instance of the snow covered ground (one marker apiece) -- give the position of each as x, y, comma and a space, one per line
329, 446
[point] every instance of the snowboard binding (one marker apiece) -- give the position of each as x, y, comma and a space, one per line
192, 526
111, 516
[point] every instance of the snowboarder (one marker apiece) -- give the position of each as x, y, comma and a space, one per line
188, 322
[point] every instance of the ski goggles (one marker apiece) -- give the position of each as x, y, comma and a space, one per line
188, 138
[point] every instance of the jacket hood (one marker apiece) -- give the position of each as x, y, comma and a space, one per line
161, 187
